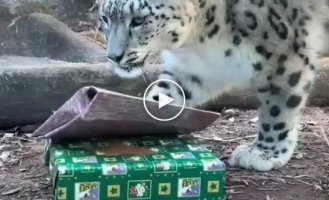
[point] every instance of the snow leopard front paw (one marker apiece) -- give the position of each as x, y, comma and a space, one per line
250, 156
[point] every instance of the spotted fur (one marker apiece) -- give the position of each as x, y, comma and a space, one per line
211, 46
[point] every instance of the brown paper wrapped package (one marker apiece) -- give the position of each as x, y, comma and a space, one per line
97, 113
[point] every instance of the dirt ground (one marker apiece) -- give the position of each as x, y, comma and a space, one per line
306, 177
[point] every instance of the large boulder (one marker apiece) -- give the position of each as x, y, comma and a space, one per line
29, 28
66, 10
62, 9
41, 35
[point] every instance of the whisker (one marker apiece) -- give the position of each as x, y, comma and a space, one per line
143, 74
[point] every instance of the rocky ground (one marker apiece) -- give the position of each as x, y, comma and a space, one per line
306, 177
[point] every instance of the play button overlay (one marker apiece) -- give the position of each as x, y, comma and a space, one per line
167, 108
164, 100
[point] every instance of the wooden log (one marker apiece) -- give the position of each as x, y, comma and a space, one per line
319, 95
31, 88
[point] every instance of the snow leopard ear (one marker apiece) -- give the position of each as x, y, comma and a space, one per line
100, 4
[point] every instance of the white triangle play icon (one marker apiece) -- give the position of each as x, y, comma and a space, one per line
164, 100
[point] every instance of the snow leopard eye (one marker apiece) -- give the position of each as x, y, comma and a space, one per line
104, 19
137, 21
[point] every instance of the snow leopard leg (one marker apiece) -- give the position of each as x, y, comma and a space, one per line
282, 91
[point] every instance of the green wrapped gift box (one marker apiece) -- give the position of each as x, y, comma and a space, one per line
144, 168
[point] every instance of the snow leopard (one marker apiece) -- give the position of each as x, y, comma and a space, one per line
212, 46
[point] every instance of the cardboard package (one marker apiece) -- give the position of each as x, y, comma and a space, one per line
103, 145
138, 168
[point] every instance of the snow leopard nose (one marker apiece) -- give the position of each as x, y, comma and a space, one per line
116, 59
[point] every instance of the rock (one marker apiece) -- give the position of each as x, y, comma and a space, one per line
61, 9
311, 123
231, 119
4, 156
70, 9
41, 35
254, 120
9, 135
11, 191
231, 113
300, 156
23, 170
28, 28
10, 9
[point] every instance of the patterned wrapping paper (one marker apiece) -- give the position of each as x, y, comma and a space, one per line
175, 169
